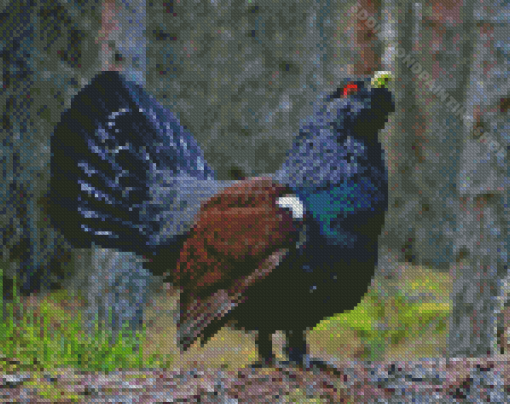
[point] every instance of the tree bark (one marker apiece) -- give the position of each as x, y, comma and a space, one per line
482, 183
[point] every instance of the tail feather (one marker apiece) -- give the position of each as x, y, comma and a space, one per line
112, 151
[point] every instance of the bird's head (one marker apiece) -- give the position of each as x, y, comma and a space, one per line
359, 107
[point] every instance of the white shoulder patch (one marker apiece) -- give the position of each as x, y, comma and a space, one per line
293, 203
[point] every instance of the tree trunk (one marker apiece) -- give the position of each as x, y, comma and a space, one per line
107, 278
482, 244
48, 54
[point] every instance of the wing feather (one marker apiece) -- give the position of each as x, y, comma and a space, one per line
197, 315
239, 237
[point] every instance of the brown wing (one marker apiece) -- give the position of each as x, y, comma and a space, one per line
199, 313
239, 237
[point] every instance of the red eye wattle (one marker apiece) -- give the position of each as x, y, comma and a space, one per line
349, 89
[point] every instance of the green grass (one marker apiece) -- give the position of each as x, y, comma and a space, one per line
35, 346
407, 321
380, 322
383, 322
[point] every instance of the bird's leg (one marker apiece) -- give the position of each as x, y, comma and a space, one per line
297, 351
265, 348
296, 348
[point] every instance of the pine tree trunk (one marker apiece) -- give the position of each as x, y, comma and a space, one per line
482, 244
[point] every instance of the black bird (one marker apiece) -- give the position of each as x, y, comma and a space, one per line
280, 252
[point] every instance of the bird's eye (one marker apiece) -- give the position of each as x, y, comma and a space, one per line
349, 89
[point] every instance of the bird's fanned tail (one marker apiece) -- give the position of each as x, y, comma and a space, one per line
118, 158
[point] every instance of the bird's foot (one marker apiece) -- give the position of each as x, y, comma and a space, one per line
317, 366
264, 363
308, 363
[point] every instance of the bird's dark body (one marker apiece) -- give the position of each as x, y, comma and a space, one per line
333, 268
301, 293
126, 175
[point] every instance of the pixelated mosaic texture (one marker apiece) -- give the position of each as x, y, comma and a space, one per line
43, 72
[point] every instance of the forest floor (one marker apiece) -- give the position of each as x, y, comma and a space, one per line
220, 371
